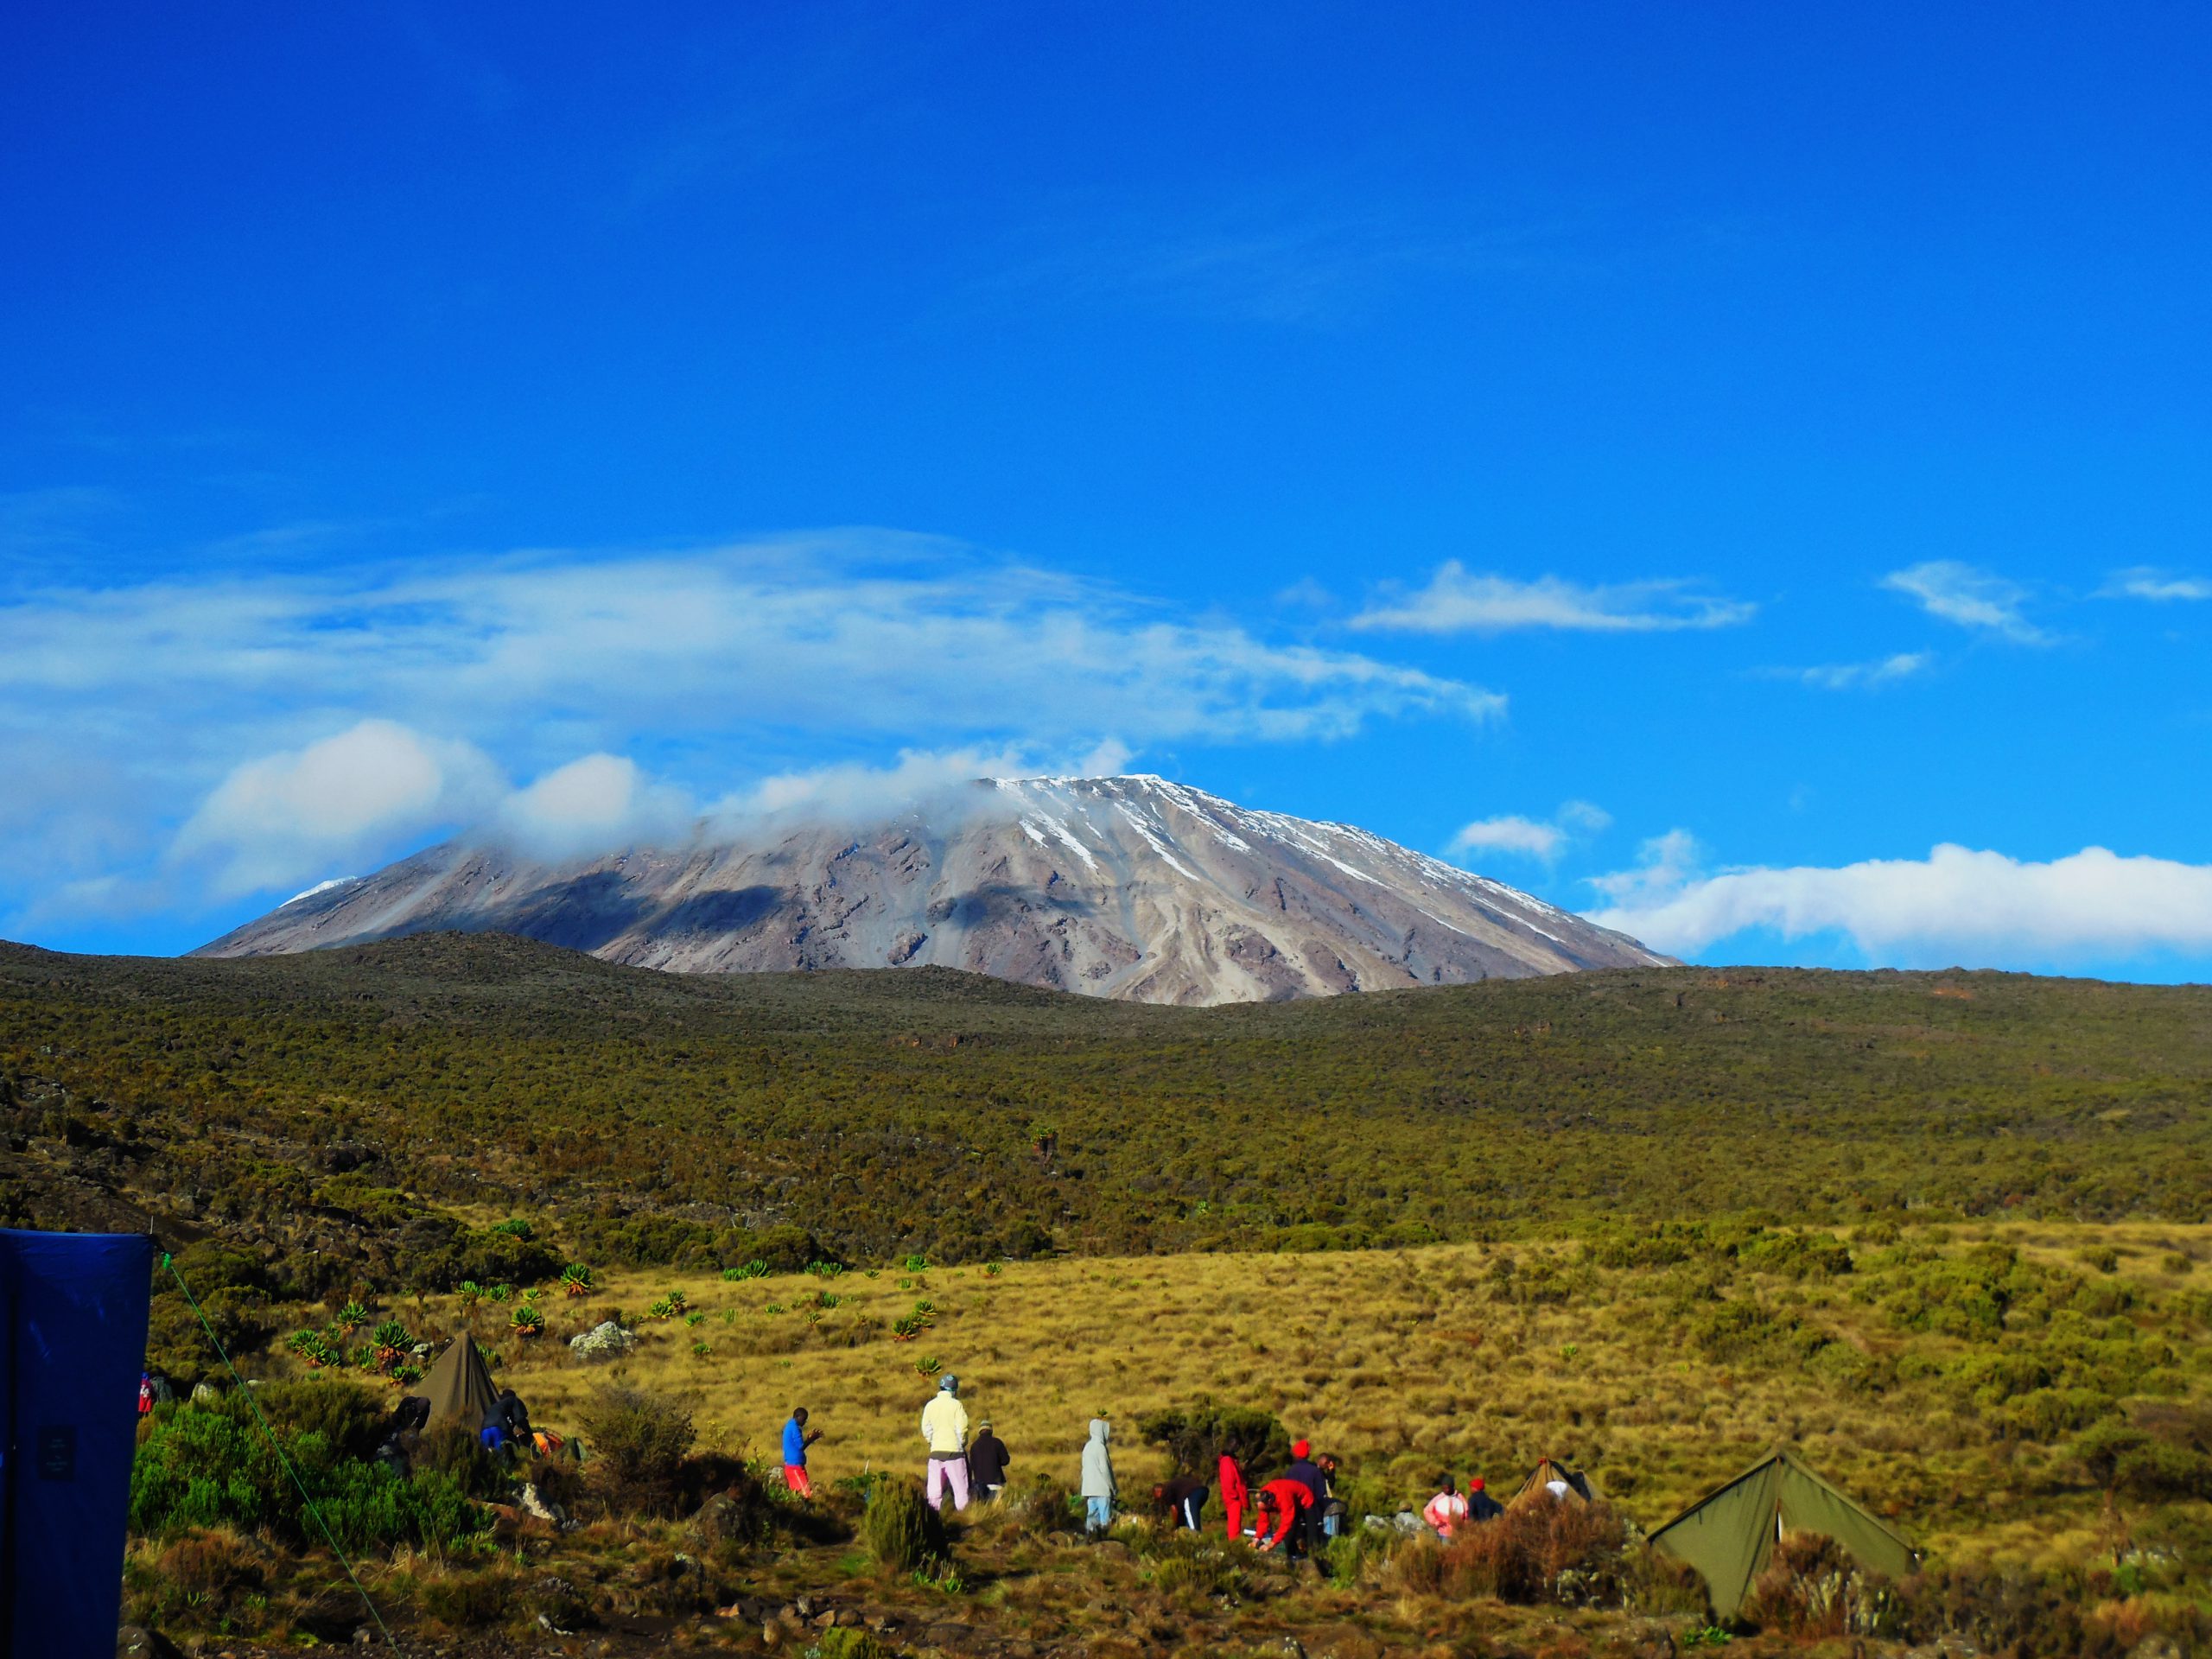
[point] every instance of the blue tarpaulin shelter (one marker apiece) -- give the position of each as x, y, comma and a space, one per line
72, 1311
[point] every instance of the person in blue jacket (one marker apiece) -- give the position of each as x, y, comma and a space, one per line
796, 1440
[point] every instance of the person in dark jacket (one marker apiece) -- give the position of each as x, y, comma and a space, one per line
514, 1418
1481, 1506
1334, 1513
987, 1462
1307, 1473
1182, 1498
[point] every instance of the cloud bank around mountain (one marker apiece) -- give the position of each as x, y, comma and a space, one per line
246, 732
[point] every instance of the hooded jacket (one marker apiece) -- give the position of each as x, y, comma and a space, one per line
1097, 1462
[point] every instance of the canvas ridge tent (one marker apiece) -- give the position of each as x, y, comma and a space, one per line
1547, 1473
1729, 1534
459, 1387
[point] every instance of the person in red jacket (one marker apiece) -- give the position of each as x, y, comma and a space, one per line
1284, 1501
1234, 1497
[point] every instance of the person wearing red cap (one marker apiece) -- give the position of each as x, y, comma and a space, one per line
1286, 1502
1306, 1473
1481, 1506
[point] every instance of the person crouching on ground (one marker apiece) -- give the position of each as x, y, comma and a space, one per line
796, 1440
1445, 1511
1182, 1498
1098, 1488
1285, 1504
987, 1462
944, 1428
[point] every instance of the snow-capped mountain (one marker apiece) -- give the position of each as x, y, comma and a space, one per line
1133, 887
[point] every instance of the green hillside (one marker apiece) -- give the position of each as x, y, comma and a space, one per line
370, 1110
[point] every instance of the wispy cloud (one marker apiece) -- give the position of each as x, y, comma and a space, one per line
276, 722
1458, 600
1860, 676
1970, 597
2160, 587
1317, 251
1544, 839
1957, 904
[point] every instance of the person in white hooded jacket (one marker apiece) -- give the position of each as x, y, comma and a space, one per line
1098, 1488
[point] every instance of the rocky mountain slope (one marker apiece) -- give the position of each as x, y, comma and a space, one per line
1132, 887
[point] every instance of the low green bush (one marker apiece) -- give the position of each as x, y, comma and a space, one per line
213, 1466
901, 1531
638, 1442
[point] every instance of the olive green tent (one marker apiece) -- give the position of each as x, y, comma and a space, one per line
459, 1387
1553, 1479
1729, 1534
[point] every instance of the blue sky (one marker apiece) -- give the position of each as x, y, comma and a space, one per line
1691, 462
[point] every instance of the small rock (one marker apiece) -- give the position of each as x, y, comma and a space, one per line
534, 1503
136, 1642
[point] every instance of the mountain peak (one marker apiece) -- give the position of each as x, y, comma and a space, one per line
1133, 886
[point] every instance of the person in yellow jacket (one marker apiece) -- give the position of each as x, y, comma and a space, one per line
944, 1428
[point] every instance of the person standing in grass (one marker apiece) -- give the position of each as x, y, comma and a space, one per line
1307, 1473
1481, 1506
987, 1462
1234, 1496
1445, 1511
944, 1428
796, 1440
1098, 1488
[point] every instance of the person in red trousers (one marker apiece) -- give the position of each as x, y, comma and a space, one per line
1234, 1497
1285, 1501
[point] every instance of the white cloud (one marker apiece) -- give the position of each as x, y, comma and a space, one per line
1510, 834
1457, 601
1862, 676
1971, 598
284, 817
2160, 587
1956, 905
179, 725
592, 804
1530, 837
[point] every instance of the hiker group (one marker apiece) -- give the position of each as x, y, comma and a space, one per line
1296, 1511
1729, 1534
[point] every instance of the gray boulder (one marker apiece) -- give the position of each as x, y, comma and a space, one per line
604, 1341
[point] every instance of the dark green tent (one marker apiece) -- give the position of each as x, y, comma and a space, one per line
459, 1387
1729, 1534
1551, 1478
